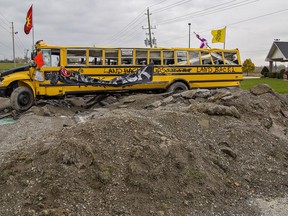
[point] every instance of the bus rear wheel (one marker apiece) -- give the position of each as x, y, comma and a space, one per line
177, 87
22, 98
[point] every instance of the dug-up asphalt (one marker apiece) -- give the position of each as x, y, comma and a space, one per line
199, 152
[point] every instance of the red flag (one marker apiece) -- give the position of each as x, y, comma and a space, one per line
29, 23
39, 60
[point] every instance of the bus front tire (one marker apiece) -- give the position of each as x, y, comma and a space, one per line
22, 98
177, 87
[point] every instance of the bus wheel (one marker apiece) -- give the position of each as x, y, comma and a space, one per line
177, 87
21, 98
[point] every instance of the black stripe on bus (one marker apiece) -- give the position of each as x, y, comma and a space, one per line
82, 84
197, 81
139, 66
106, 66
214, 87
110, 91
169, 73
202, 73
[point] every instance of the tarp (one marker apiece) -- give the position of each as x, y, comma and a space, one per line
141, 76
8, 120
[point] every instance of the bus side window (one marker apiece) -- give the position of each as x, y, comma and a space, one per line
231, 58
76, 56
141, 56
55, 57
217, 58
168, 57
181, 57
206, 58
126, 56
95, 56
194, 58
155, 57
111, 56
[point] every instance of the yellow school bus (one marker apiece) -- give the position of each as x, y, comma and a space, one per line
71, 70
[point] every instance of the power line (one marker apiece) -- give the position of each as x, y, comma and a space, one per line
129, 25
252, 18
208, 11
171, 6
132, 29
3, 27
132, 25
131, 36
4, 18
254, 51
257, 17
19, 43
128, 29
5, 45
241, 21
157, 3
199, 11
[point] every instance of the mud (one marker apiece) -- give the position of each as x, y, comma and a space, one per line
208, 152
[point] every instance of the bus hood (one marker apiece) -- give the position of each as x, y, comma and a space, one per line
14, 70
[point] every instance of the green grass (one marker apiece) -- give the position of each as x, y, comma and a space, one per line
7, 66
277, 85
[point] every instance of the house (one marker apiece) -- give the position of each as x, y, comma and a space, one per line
278, 53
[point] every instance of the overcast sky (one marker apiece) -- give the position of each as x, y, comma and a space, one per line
252, 25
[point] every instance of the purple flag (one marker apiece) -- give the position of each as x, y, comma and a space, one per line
203, 41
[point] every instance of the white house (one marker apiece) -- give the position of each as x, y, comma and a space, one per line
278, 53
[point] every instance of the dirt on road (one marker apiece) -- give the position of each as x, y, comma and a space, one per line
199, 152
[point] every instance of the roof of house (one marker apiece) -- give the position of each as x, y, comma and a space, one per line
278, 51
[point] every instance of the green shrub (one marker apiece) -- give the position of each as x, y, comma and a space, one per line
272, 75
265, 71
281, 74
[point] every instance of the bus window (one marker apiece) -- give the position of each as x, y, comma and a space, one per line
217, 58
141, 57
111, 56
76, 56
181, 57
155, 57
231, 58
95, 56
194, 58
126, 56
46, 53
206, 58
168, 57
51, 57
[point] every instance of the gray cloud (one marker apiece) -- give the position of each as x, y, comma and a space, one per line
104, 23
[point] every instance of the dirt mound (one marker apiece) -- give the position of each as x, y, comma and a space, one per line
196, 153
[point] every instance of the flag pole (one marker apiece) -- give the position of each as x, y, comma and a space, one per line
225, 38
32, 28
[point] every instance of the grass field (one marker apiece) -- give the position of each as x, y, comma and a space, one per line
7, 66
279, 85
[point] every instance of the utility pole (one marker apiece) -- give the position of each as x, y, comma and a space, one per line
13, 43
189, 24
26, 55
149, 27
151, 41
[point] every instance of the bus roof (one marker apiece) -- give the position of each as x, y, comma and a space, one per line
41, 44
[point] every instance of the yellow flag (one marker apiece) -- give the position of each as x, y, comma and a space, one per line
219, 35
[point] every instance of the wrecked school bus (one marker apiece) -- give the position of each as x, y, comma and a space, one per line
58, 71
